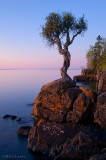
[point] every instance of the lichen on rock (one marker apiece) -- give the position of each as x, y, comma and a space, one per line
64, 124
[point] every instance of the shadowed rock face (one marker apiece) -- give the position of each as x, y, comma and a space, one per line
64, 122
82, 110
100, 114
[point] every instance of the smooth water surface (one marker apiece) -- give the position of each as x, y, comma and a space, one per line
18, 88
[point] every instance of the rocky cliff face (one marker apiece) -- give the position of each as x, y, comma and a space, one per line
64, 122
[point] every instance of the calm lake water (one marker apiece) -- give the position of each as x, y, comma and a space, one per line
18, 88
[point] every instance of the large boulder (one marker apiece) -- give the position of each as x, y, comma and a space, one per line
100, 114
56, 99
64, 122
82, 110
66, 141
48, 135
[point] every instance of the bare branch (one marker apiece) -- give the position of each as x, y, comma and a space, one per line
74, 37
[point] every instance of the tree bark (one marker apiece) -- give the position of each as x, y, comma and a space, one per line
66, 64
66, 57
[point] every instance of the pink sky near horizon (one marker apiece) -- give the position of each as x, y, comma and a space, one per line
21, 45
47, 61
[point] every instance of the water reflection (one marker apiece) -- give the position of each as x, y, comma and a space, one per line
18, 88
88, 85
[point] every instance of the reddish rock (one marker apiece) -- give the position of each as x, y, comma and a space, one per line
88, 92
82, 110
64, 122
83, 145
24, 130
55, 100
100, 114
50, 134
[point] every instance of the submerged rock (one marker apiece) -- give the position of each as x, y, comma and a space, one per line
10, 116
13, 117
6, 116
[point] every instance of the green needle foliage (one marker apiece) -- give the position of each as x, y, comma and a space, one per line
59, 25
96, 56
57, 30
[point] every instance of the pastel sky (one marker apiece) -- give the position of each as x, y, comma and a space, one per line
21, 45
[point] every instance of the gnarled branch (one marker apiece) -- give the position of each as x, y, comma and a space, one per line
74, 37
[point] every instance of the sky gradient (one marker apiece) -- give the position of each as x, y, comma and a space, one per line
21, 45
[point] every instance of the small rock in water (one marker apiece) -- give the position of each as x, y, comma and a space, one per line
24, 130
6, 116
31, 104
10, 116
13, 117
24, 120
19, 119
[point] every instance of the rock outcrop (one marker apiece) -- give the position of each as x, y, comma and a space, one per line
84, 78
64, 125
100, 114
23, 130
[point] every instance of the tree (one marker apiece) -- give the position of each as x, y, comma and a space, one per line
58, 29
96, 56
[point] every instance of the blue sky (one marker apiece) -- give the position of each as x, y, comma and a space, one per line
21, 45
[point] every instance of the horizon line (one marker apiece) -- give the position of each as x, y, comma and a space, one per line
39, 69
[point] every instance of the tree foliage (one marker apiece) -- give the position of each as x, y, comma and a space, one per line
60, 25
57, 30
96, 56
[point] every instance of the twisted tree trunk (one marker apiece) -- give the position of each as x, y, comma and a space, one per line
66, 56
66, 64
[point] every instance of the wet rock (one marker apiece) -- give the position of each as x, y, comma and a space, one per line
100, 114
6, 116
19, 119
24, 130
13, 117
25, 120
10, 116
30, 104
